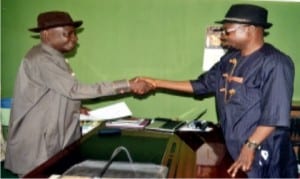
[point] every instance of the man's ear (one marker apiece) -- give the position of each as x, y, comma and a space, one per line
256, 28
44, 35
251, 28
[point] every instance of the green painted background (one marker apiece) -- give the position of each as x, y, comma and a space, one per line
127, 38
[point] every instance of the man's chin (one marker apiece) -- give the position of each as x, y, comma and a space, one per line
226, 46
69, 49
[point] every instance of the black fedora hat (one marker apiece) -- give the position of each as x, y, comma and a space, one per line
52, 19
247, 14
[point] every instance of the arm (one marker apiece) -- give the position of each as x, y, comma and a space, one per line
52, 76
261, 133
247, 154
180, 86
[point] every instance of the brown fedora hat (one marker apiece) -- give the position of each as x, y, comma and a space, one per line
247, 14
52, 19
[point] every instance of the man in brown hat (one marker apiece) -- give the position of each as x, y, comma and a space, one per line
46, 103
253, 86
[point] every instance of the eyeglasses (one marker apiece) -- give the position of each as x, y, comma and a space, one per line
230, 30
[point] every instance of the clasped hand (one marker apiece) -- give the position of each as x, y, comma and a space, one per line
142, 85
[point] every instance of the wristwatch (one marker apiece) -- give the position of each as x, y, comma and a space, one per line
252, 144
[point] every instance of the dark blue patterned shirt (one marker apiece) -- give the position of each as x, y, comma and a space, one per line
250, 91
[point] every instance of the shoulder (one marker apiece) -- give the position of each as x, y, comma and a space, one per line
275, 60
274, 56
43, 54
37, 52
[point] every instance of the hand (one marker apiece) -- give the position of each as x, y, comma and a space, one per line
84, 110
149, 80
244, 161
140, 86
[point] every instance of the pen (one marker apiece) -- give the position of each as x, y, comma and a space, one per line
191, 122
199, 116
162, 119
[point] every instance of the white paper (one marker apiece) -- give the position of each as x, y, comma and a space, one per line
211, 56
185, 128
130, 123
113, 111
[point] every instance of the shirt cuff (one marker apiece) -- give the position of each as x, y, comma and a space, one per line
121, 86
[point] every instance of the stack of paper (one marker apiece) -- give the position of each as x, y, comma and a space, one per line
128, 123
164, 124
113, 111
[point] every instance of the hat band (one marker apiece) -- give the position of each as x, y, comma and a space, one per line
237, 19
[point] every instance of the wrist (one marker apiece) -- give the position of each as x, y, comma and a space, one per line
122, 86
251, 144
155, 82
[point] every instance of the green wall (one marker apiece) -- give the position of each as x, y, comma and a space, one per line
127, 38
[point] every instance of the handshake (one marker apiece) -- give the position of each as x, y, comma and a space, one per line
142, 85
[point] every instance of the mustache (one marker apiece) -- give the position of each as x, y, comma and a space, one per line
224, 43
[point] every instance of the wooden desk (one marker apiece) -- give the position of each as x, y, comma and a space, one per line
295, 109
177, 151
295, 128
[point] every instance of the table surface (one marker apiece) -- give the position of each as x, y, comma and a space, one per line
296, 105
177, 151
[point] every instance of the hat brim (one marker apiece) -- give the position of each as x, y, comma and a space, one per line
74, 24
264, 25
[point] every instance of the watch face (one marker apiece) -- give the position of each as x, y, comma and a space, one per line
252, 145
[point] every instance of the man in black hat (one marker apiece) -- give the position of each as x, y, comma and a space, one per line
253, 86
47, 97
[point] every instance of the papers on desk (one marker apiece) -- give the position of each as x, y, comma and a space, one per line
114, 111
188, 128
197, 126
128, 123
87, 126
165, 124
